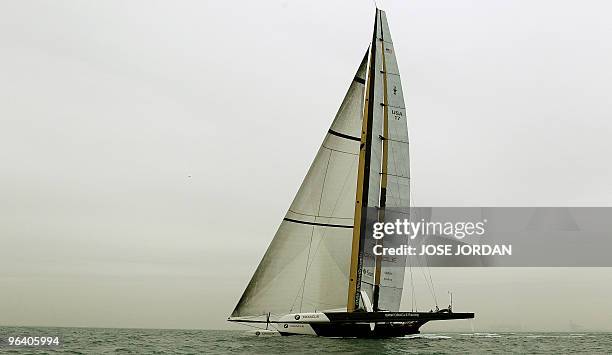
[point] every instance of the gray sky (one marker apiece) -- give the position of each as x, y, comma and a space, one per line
107, 107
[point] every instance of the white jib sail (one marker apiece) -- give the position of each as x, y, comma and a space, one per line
307, 263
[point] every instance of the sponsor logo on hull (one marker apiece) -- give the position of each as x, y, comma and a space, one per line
296, 328
294, 318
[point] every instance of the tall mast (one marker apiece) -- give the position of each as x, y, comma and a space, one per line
384, 170
363, 178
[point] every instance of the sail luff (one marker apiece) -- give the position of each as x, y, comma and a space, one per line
363, 178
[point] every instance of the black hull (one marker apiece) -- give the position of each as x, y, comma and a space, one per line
386, 324
348, 330
360, 324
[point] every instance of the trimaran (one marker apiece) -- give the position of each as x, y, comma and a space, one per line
319, 275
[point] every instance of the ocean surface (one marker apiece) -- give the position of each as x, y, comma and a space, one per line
158, 341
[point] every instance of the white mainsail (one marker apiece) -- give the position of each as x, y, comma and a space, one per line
398, 170
307, 265
389, 172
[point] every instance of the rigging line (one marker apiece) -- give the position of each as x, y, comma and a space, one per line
308, 262
427, 273
325, 231
312, 230
433, 288
413, 300
306, 270
427, 268
409, 258
323, 186
430, 286
335, 205
411, 192
424, 276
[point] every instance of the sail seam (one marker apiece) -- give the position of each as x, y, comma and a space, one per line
392, 140
397, 288
339, 151
312, 215
400, 176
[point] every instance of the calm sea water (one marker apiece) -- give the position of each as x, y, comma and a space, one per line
151, 341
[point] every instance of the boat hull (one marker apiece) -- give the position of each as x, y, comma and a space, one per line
361, 324
348, 330
356, 324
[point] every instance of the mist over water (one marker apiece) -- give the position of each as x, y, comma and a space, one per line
152, 341
135, 135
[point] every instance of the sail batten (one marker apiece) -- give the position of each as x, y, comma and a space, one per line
317, 223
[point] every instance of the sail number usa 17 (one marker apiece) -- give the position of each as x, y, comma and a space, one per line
397, 114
